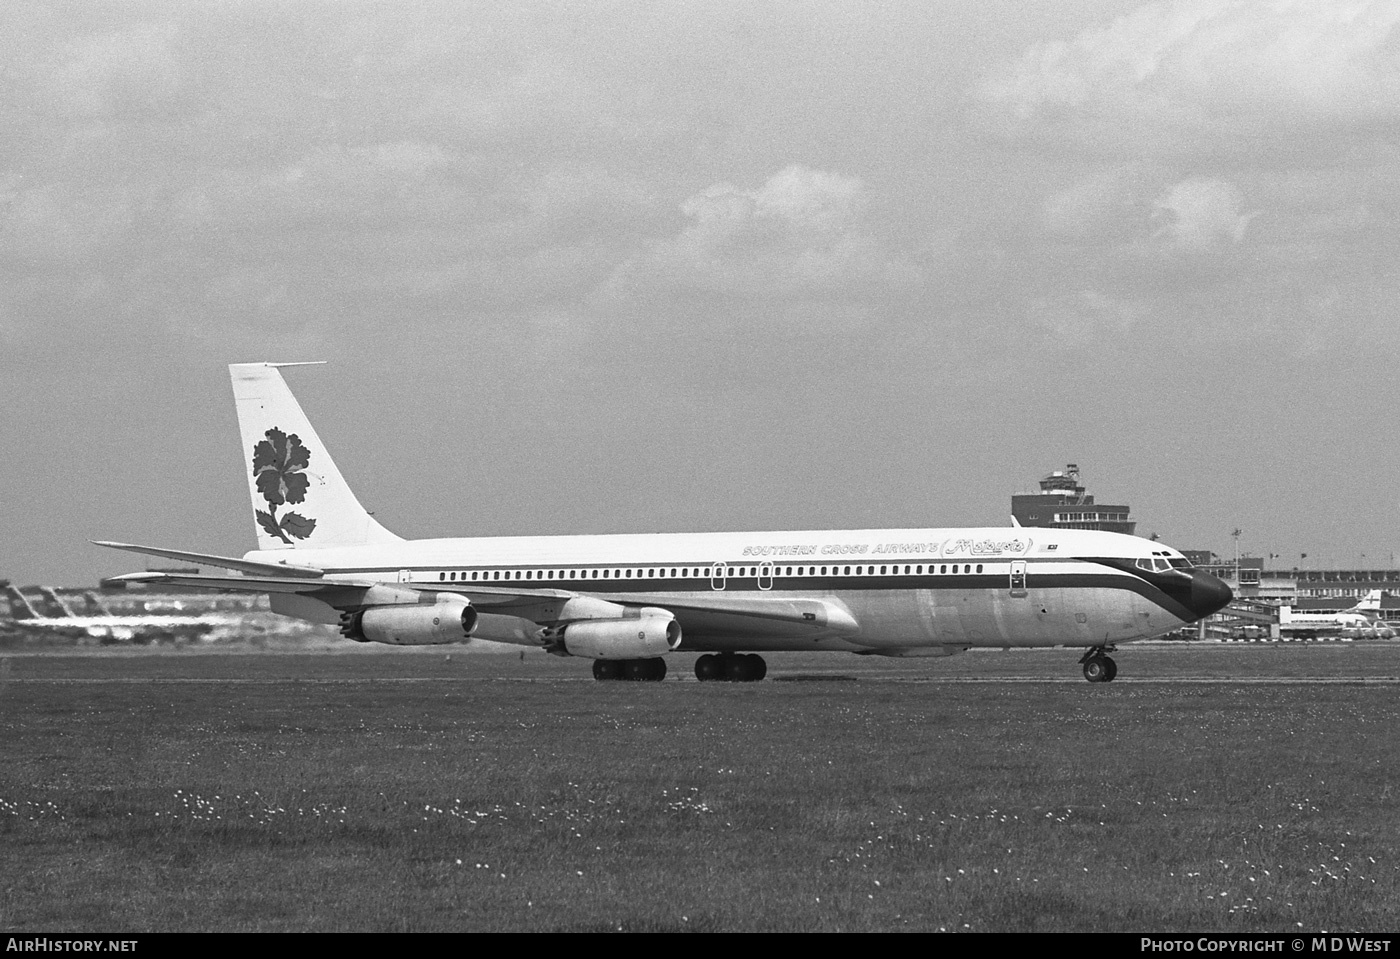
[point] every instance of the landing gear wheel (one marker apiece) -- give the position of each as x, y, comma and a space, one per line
757, 667
709, 668
604, 669
1100, 669
748, 668
644, 670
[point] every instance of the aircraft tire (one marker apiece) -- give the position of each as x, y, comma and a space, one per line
644, 670
757, 666
1112, 669
748, 668
1096, 669
709, 668
607, 669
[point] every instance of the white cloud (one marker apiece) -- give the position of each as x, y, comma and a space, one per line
1200, 214
1134, 211
802, 232
1224, 68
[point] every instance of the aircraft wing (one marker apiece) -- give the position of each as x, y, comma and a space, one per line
272, 578
223, 562
237, 584
699, 616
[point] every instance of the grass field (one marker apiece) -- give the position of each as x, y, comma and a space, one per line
1209, 788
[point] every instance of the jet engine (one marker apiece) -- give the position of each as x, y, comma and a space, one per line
643, 638
447, 621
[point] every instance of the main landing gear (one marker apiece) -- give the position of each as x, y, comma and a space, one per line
730, 667
637, 670
1098, 667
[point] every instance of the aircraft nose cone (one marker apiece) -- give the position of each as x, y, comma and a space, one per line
1208, 594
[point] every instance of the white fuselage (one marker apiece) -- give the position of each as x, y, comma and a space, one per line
903, 592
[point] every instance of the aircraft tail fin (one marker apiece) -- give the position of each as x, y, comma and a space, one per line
58, 607
300, 500
1370, 603
20, 607
94, 605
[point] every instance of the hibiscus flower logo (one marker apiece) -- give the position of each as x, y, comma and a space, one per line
278, 462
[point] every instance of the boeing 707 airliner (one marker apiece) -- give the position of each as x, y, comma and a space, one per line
630, 601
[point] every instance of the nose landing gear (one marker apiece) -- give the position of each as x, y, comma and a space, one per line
1099, 667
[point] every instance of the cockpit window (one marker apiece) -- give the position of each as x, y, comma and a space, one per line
1180, 562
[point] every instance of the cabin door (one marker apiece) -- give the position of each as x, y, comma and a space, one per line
1018, 578
765, 576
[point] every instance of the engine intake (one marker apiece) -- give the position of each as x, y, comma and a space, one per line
443, 622
623, 638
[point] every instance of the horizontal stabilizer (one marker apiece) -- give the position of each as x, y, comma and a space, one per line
223, 562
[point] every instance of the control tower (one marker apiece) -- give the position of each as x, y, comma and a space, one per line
1063, 503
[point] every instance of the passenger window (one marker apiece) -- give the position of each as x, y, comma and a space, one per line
979, 567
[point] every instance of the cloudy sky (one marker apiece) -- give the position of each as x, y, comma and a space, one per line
638, 266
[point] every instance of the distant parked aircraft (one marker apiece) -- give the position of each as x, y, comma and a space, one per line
627, 601
1362, 621
97, 622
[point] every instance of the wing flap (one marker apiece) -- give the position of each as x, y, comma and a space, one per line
716, 616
